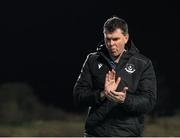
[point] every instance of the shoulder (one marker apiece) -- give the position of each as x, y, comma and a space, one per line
141, 61
92, 56
141, 58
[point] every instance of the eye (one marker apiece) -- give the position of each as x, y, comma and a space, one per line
115, 39
108, 39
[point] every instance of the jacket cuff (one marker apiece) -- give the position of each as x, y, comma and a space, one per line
99, 98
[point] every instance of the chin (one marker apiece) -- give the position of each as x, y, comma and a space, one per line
114, 55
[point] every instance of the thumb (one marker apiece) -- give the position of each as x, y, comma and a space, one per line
125, 89
118, 80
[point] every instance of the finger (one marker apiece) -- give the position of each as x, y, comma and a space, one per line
111, 97
118, 81
106, 92
106, 79
109, 94
109, 75
113, 93
113, 74
114, 97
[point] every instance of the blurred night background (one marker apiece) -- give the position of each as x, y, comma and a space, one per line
44, 44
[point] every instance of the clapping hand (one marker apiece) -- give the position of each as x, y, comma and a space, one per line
111, 84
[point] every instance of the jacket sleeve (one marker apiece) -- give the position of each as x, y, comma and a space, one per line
83, 91
144, 99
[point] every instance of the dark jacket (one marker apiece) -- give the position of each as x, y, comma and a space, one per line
107, 118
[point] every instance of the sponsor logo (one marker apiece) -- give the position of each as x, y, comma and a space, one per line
130, 68
100, 65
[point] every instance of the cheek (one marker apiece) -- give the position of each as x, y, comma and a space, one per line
107, 42
120, 46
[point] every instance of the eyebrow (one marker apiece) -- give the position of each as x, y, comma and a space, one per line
115, 38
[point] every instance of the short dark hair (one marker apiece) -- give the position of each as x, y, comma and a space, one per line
114, 23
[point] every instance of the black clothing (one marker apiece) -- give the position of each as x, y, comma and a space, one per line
107, 118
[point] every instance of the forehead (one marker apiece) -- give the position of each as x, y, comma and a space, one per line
115, 33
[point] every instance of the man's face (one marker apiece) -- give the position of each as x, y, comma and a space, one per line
115, 42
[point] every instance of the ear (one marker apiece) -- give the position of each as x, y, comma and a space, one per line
126, 38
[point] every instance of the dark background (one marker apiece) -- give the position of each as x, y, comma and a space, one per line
45, 44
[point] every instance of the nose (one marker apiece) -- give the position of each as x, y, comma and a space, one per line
111, 43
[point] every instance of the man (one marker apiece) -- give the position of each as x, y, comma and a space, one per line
117, 83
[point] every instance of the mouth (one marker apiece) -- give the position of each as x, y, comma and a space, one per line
113, 51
